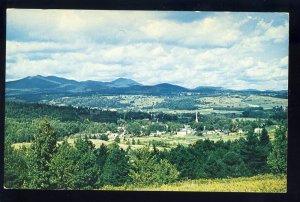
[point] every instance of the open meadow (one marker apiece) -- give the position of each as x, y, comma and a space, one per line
267, 183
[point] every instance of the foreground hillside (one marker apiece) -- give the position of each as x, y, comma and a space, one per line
260, 183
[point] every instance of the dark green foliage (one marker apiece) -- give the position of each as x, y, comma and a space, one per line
278, 113
199, 133
135, 115
15, 167
173, 127
86, 161
27, 111
254, 112
47, 165
266, 147
253, 153
158, 143
264, 137
101, 155
197, 126
18, 131
157, 127
179, 103
40, 153
234, 165
277, 159
134, 128
104, 137
145, 169
116, 168
64, 167
184, 161
214, 166
117, 139
208, 159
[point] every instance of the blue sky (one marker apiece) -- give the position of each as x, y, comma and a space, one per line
231, 50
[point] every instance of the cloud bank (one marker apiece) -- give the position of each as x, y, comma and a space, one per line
231, 50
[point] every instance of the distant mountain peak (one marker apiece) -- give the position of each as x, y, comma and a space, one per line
122, 79
34, 77
123, 82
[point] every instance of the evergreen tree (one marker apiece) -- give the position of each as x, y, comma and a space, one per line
265, 144
86, 162
40, 153
146, 170
63, 167
116, 168
117, 139
101, 155
214, 166
253, 154
184, 161
15, 167
234, 165
84, 145
277, 159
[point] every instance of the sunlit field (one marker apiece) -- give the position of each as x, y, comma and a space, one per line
260, 183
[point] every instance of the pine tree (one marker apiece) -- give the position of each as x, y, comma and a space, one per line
15, 167
264, 137
40, 153
234, 165
117, 139
184, 161
214, 166
116, 168
265, 144
86, 162
101, 155
63, 167
253, 154
277, 159
146, 170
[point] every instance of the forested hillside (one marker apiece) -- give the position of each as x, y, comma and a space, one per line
51, 162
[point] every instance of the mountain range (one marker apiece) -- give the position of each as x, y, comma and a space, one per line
52, 84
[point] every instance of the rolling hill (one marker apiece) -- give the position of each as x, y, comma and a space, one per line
38, 86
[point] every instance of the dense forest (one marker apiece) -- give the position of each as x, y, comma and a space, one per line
50, 162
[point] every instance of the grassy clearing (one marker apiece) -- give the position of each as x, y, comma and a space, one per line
261, 183
265, 101
224, 101
170, 140
243, 101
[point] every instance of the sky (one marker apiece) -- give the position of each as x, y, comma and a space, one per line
233, 50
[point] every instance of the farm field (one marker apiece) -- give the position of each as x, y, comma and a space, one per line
232, 101
170, 141
149, 103
261, 183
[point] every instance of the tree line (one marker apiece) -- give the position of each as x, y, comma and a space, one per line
21, 120
49, 165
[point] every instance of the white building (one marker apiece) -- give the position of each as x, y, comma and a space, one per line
258, 130
187, 130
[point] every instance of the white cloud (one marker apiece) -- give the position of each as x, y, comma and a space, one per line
218, 30
284, 62
278, 34
149, 47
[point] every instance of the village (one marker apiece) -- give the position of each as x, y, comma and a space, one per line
184, 135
